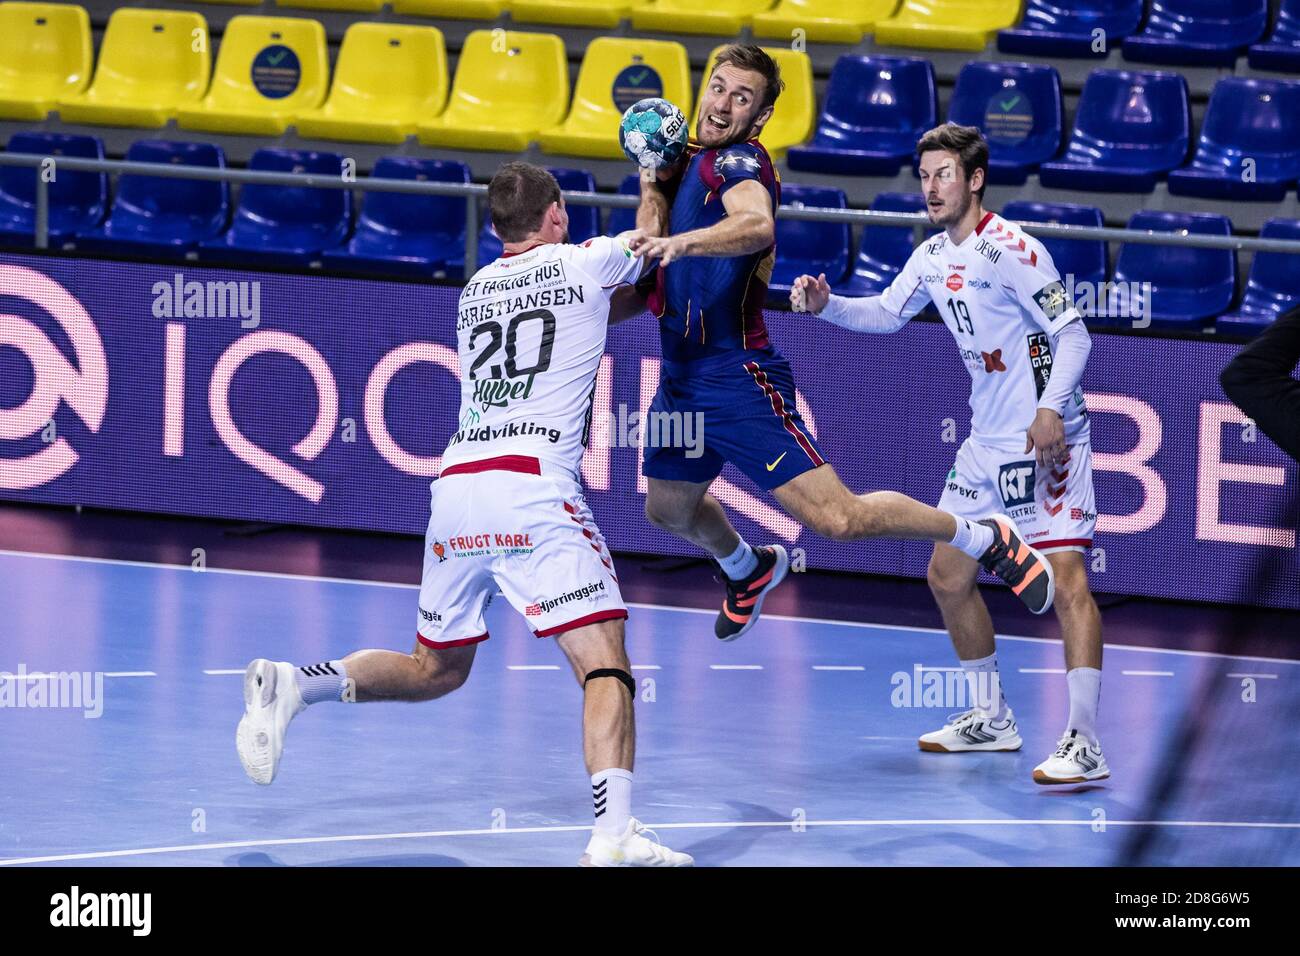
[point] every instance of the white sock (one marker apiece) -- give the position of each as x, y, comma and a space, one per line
971, 538
741, 563
611, 792
318, 682
985, 686
1085, 692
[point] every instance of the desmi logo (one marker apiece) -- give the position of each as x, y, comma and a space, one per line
83, 384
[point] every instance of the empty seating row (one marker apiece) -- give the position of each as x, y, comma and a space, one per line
391, 81
1131, 129
395, 233
1172, 32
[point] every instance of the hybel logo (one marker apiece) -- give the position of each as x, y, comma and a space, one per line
82, 382
1016, 482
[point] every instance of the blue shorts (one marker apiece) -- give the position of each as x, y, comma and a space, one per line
738, 409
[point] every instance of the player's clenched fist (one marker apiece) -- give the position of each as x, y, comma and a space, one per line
809, 294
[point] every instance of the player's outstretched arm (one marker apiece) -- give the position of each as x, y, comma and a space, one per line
747, 228
861, 315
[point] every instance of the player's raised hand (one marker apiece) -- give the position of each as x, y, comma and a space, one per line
1046, 438
809, 294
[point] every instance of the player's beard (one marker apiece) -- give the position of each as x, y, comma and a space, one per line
948, 217
564, 240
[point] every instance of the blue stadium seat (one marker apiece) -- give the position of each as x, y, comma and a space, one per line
623, 220
402, 232
1130, 129
584, 221
1077, 260
1054, 28
78, 201
876, 108
1018, 107
1273, 286
288, 225
883, 250
155, 216
1255, 121
806, 246
1281, 51
1197, 32
1189, 286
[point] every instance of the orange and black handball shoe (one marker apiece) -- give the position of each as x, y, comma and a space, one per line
745, 598
1027, 572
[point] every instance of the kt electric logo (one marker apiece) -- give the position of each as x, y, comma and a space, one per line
80, 380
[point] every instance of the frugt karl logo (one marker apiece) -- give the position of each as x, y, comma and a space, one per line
82, 383
1016, 482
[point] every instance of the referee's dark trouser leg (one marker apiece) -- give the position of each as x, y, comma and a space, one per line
1259, 381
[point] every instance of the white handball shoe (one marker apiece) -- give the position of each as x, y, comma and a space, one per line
973, 730
1075, 761
633, 848
271, 700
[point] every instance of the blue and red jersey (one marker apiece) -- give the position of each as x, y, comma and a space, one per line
707, 305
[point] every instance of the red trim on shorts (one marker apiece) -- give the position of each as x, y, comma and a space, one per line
443, 645
1063, 543
620, 614
520, 463
778, 409
983, 222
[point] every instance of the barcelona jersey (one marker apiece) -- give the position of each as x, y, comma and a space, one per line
707, 306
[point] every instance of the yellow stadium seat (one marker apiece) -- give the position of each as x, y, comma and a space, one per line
616, 72
151, 62
360, 6
823, 21
460, 9
579, 13
509, 86
388, 78
947, 24
45, 54
269, 70
722, 17
795, 114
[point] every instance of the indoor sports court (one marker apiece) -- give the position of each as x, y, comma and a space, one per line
242, 247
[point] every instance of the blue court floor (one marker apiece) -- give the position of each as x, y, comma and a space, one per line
784, 748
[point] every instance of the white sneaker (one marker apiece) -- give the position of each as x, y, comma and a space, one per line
1075, 761
633, 848
973, 730
271, 700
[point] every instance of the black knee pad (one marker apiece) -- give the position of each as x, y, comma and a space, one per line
621, 675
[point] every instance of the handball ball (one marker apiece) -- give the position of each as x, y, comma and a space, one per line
653, 133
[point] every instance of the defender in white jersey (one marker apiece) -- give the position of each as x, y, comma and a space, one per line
508, 513
1029, 453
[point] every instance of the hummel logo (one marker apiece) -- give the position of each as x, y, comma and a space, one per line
974, 734
778, 461
993, 362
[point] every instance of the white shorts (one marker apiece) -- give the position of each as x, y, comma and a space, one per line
532, 537
1053, 506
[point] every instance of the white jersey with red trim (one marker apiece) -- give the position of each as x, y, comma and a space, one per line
530, 332
1002, 298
